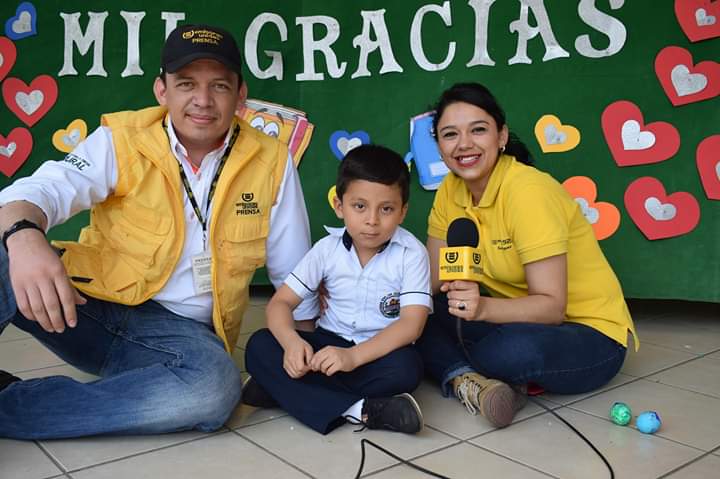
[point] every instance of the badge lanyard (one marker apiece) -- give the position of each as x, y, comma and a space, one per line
202, 263
188, 189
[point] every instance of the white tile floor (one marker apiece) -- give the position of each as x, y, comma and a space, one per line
676, 372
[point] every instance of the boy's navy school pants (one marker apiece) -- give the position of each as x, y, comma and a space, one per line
317, 400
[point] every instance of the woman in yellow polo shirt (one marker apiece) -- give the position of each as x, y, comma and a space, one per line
556, 315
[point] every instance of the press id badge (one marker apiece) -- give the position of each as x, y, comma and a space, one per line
201, 269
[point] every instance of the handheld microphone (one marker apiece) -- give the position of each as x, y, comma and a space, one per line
461, 259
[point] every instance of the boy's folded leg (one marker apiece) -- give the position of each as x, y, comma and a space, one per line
254, 395
6, 379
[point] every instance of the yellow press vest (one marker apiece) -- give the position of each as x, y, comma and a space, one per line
135, 237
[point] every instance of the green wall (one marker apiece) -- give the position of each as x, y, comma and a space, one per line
576, 89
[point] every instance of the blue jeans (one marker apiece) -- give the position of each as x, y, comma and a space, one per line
159, 373
317, 400
566, 359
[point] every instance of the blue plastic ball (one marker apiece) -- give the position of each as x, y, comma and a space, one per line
648, 422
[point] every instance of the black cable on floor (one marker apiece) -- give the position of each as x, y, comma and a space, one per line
434, 474
458, 327
382, 449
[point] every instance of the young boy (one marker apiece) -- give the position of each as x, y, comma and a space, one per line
359, 364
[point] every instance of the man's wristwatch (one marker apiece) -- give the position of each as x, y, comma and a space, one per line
17, 226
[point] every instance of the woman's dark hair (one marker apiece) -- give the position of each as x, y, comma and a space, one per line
478, 95
374, 163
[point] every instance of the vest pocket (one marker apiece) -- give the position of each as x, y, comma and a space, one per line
138, 234
243, 245
119, 276
146, 219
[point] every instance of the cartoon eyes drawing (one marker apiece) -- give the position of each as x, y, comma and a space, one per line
270, 128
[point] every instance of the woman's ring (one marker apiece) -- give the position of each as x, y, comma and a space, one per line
461, 306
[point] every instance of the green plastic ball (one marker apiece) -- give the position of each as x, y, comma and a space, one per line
620, 414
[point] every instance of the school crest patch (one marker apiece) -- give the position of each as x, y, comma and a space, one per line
390, 305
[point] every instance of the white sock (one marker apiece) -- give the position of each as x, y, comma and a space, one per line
355, 410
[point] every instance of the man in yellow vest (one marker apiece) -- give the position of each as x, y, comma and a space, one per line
187, 201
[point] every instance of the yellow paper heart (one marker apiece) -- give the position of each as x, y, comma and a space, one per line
331, 196
67, 139
554, 137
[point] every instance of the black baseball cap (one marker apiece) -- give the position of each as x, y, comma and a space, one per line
188, 43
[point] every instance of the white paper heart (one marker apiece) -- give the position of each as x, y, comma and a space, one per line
23, 24
8, 150
703, 19
717, 170
658, 210
347, 144
687, 83
553, 136
634, 139
29, 103
72, 139
590, 213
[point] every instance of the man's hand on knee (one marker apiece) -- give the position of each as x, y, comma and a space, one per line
42, 290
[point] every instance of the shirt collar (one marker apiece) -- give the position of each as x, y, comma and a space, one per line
398, 237
179, 150
463, 197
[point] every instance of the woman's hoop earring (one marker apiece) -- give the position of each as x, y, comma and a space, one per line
502, 149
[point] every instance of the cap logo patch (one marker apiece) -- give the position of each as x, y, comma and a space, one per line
203, 36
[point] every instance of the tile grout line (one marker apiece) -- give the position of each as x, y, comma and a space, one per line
678, 349
467, 442
143, 453
604, 418
44, 367
261, 421
515, 461
262, 448
15, 340
57, 463
705, 453
414, 458
709, 395
571, 405
639, 378
690, 462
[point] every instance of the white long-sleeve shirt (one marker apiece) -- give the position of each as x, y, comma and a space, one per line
88, 176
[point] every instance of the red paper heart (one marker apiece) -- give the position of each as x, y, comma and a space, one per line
8, 54
14, 150
707, 159
37, 99
684, 82
619, 115
699, 19
659, 215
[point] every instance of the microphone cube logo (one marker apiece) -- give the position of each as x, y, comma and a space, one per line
451, 256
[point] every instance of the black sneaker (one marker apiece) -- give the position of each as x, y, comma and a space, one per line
398, 413
254, 395
6, 379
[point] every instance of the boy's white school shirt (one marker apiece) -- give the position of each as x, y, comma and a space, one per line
362, 301
61, 189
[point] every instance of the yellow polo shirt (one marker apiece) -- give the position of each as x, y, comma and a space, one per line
525, 215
